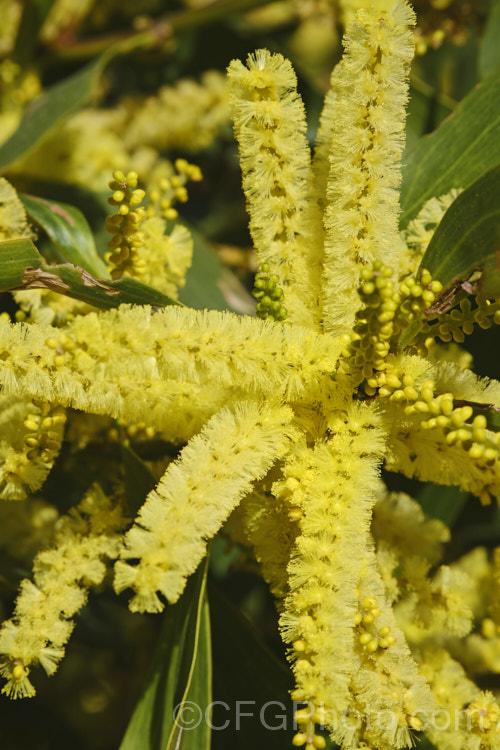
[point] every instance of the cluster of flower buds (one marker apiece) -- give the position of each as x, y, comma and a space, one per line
306, 720
269, 295
44, 432
123, 257
385, 312
372, 638
459, 322
438, 411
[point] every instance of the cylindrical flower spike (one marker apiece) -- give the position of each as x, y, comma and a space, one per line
285, 223
198, 492
41, 625
369, 93
319, 611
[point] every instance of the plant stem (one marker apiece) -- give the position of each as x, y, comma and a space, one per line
159, 31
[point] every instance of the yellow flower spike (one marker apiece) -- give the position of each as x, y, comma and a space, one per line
40, 625
357, 401
264, 431
335, 694
364, 91
32, 437
187, 116
285, 222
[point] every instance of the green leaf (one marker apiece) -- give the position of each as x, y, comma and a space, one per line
68, 229
22, 267
34, 13
15, 257
250, 678
181, 673
209, 284
489, 57
442, 502
108, 294
468, 237
463, 148
186, 734
45, 111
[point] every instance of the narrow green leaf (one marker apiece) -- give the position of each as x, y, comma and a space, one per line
68, 229
463, 148
248, 678
45, 111
107, 294
442, 502
22, 267
34, 13
187, 733
489, 57
180, 674
67, 95
15, 257
468, 237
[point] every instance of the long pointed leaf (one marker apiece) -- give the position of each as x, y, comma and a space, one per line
489, 57
22, 267
180, 674
187, 733
468, 237
45, 111
68, 229
15, 257
462, 149
34, 13
64, 97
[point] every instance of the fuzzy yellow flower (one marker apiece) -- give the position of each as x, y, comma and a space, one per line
288, 425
